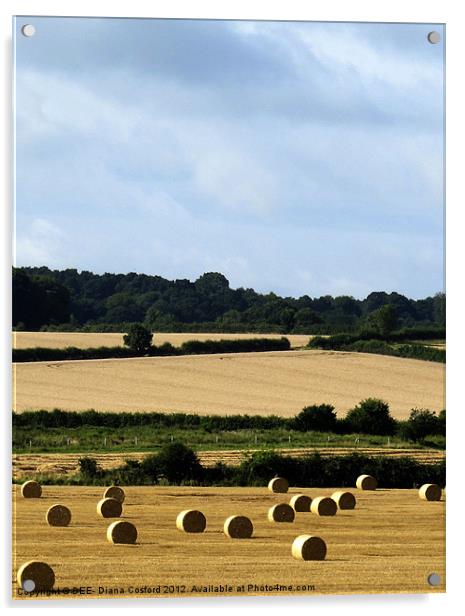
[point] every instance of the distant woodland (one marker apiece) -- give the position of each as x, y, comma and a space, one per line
69, 300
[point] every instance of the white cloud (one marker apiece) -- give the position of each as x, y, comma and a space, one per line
39, 242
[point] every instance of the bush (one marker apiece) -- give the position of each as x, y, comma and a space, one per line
423, 423
138, 338
317, 418
150, 467
177, 463
89, 469
371, 416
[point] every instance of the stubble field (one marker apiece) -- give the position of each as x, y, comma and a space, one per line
391, 542
279, 383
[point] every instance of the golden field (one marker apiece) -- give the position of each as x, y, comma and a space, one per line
60, 340
27, 465
255, 383
390, 543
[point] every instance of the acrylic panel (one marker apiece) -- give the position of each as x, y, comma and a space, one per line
228, 308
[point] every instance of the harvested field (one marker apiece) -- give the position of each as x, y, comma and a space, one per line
62, 464
279, 383
60, 340
390, 543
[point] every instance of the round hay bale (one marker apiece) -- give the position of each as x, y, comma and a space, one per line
323, 505
300, 502
238, 527
58, 515
31, 489
115, 492
191, 521
366, 482
109, 508
35, 575
281, 513
430, 492
121, 532
278, 485
344, 500
308, 547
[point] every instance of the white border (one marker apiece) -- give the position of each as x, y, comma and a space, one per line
445, 11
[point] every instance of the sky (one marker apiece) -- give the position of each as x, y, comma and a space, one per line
294, 157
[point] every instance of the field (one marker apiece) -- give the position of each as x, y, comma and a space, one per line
390, 543
254, 383
65, 464
60, 340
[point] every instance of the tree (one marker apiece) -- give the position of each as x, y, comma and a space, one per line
320, 418
138, 338
371, 416
89, 468
177, 463
422, 423
383, 320
306, 317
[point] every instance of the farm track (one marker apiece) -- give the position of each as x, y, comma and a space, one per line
62, 464
390, 543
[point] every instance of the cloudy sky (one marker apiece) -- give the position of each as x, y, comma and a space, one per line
293, 157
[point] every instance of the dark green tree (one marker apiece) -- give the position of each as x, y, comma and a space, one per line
89, 468
383, 320
138, 338
318, 417
422, 423
370, 416
178, 463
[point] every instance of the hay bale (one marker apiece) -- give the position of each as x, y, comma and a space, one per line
430, 492
191, 521
366, 482
323, 505
122, 532
31, 489
278, 485
344, 500
109, 508
238, 527
308, 547
300, 502
281, 513
115, 492
35, 573
58, 515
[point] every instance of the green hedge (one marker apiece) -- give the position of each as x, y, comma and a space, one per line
177, 465
190, 347
347, 342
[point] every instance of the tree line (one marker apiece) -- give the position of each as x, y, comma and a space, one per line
72, 300
370, 416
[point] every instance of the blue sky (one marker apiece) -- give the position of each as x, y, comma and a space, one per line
302, 158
